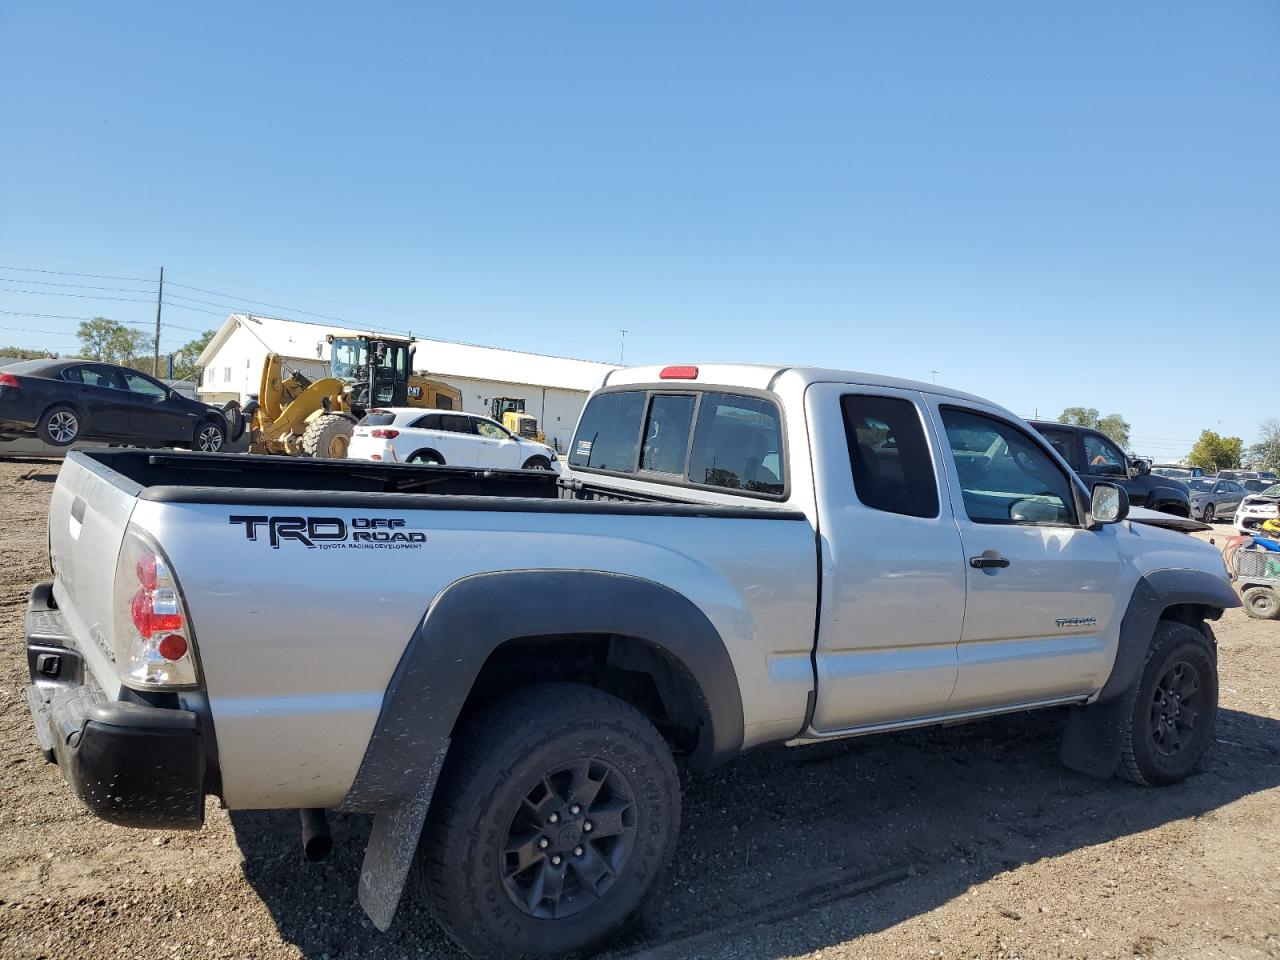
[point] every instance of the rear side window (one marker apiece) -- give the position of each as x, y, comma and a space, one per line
1064, 441
71, 375
430, 422
737, 444
378, 418
608, 437
452, 423
889, 455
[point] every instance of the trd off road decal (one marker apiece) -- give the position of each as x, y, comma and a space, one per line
333, 533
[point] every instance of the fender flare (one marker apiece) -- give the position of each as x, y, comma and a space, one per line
1091, 741
474, 616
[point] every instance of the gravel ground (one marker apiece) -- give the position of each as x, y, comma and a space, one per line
961, 842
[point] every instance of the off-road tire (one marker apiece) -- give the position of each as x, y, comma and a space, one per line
1142, 757
328, 437
1261, 603
507, 754
536, 463
56, 429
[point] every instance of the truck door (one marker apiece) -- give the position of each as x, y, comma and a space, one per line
1042, 588
893, 578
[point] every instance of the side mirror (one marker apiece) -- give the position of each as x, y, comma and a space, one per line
1141, 468
1110, 503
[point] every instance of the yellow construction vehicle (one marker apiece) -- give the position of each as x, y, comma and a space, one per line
509, 411
296, 415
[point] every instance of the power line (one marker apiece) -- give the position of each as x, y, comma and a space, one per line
232, 296
74, 286
69, 273
183, 306
79, 296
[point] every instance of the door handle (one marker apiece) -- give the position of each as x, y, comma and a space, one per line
988, 559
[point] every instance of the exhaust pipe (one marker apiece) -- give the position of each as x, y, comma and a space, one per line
317, 842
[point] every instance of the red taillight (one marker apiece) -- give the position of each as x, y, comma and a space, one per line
384, 434
679, 373
173, 647
9, 380
146, 571
150, 613
375, 456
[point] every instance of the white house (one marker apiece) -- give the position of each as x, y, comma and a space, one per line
553, 388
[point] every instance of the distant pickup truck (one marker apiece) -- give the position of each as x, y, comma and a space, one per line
503, 667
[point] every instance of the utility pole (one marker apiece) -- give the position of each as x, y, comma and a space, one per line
155, 360
935, 375
622, 349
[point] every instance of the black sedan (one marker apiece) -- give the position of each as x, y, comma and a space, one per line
62, 401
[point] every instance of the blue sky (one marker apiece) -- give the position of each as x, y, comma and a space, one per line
1050, 205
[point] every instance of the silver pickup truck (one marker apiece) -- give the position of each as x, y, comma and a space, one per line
504, 668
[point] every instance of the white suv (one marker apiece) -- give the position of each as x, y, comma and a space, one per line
446, 437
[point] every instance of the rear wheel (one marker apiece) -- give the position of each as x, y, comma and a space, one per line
1261, 603
328, 437
209, 437
536, 463
1172, 707
429, 457
555, 814
59, 426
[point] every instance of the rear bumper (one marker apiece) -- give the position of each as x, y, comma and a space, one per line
130, 763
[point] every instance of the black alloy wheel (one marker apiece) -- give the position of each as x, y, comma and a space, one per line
569, 839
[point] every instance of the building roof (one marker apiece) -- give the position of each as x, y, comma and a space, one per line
442, 358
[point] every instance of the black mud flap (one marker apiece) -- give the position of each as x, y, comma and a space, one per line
392, 845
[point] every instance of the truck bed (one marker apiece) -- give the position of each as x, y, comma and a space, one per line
266, 481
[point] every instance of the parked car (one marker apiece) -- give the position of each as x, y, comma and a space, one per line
453, 438
62, 401
506, 664
1233, 474
1213, 498
1256, 485
1256, 508
1096, 458
1176, 471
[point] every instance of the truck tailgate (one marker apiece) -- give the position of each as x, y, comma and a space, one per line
88, 515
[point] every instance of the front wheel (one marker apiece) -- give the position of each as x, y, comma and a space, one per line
209, 437
1208, 513
555, 813
1172, 707
327, 437
536, 463
1261, 603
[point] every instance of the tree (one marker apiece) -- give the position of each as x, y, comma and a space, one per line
1213, 452
1265, 454
26, 353
112, 342
184, 361
1113, 425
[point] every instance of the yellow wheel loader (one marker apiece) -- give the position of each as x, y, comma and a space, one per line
509, 411
296, 415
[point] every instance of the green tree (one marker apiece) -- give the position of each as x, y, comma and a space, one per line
1265, 454
184, 361
1213, 452
26, 353
112, 342
1113, 425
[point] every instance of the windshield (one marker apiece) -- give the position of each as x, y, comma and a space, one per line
1201, 485
1271, 491
350, 355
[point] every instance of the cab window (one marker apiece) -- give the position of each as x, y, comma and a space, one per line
666, 433
1102, 456
1004, 475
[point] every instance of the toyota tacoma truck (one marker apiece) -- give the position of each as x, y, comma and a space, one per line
505, 668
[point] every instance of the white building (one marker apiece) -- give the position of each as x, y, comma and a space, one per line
553, 388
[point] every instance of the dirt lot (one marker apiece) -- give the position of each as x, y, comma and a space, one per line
965, 842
